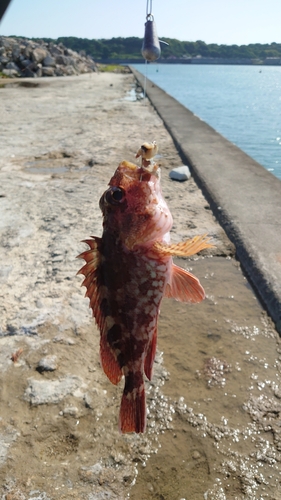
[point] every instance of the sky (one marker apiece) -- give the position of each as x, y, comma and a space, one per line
213, 21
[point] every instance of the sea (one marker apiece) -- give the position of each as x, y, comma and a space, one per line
243, 103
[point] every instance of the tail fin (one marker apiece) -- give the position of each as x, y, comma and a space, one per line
132, 417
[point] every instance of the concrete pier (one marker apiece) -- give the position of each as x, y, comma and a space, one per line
244, 196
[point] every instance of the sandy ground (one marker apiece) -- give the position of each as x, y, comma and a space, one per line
60, 143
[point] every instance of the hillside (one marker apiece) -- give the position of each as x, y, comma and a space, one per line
130, 48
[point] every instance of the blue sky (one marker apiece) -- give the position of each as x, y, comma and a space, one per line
213, 21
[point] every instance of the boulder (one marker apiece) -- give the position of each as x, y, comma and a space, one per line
48, 71
26, 63
39, 54
49, 61
4, 60
28, 73
16, 52
12, 73
12, 65
60, 59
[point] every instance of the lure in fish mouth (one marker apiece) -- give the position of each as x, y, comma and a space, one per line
128, 270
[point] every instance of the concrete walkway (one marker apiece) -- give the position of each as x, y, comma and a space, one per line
244, 196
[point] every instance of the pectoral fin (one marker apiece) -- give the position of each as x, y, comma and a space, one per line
184, 286
184, 248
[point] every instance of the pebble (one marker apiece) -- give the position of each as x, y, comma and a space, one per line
71, 410
47, 364
180, 173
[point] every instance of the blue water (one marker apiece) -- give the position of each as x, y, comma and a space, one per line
243, 103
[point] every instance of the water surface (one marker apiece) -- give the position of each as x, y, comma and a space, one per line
243, 103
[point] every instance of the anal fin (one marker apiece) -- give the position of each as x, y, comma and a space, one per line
109, 363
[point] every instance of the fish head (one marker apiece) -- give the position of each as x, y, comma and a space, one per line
133, 206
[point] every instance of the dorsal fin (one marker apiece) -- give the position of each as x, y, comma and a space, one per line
96, 295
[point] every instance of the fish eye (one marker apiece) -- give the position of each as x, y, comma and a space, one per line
115, 195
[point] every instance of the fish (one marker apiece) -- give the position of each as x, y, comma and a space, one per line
127, 272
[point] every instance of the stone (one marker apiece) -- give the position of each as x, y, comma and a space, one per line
47, 364
26, 62
12, 65
4, 59
69, 70
39, 54
41, 392
12, 73
60, 59
72, 411
28, 73
49, 61
48, 71
16, 53
180, 173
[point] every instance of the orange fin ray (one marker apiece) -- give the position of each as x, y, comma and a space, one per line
184, 248
132, 417
184, 286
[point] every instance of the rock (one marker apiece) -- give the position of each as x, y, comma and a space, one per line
47, 364
60, 59
69, 70
26, 62
16, 53
4, 59
48, 71
49, 61
12, 65
41, 392
28, 73
71, 410
39, 54
12, 73
180, 173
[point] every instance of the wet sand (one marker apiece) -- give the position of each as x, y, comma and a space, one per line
214, 401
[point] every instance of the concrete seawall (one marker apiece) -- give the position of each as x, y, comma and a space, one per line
245, 197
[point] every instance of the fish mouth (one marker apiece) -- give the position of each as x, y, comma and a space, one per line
136, 173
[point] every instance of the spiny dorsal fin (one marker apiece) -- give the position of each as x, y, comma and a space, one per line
90, 270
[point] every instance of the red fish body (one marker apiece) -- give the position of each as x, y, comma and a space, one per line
127, 272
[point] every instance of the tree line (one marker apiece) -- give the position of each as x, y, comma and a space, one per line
130, 48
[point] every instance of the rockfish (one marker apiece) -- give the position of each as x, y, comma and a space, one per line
127, 272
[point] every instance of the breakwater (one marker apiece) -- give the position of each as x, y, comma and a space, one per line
245, 198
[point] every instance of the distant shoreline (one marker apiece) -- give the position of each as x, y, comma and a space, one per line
270, 61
